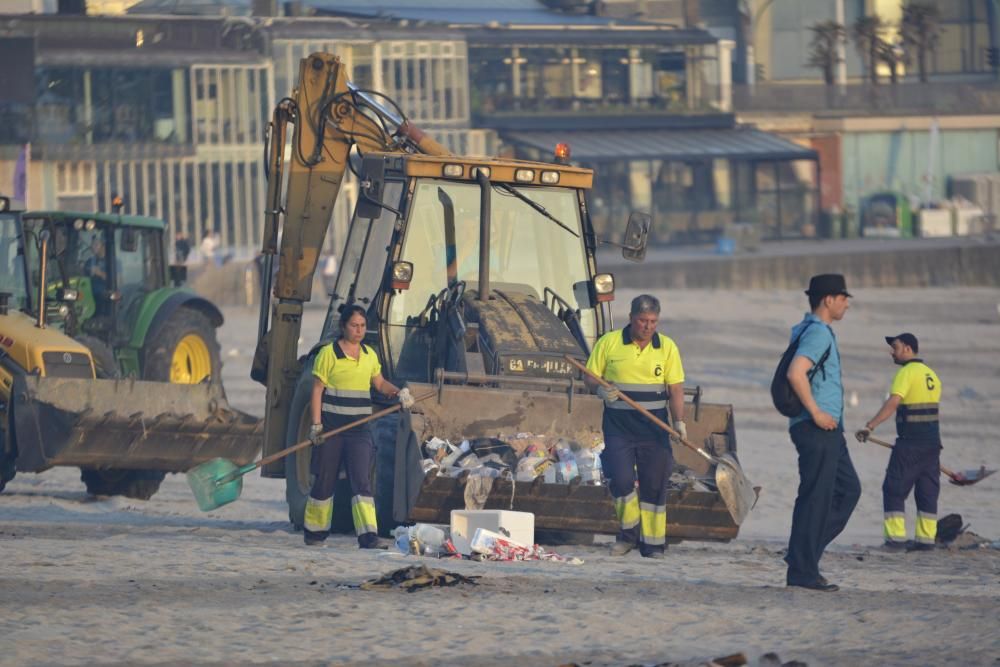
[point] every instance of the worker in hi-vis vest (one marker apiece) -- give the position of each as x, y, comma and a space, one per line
916, 459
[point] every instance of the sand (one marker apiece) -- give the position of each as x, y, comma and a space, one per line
105, 581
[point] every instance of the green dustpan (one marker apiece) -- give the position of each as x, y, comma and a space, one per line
217, 482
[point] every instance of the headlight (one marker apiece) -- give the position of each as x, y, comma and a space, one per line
604, 287
402, 274
454, 170
550, 177
524, 175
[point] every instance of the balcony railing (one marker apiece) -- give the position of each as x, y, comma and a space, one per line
884, 99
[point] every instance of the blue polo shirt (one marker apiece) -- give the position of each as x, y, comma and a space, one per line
827, 388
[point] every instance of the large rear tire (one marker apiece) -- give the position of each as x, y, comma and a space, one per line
184, 350
139, 484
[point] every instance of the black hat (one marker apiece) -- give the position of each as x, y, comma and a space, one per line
905, 339
826, 284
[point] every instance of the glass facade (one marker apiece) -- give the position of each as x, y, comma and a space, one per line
568, 78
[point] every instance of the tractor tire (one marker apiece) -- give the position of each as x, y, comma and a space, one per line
184, 350
139, 484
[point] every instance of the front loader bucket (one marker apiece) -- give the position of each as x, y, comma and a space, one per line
127, 424
503, 407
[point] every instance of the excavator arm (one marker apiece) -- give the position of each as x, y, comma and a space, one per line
329, 117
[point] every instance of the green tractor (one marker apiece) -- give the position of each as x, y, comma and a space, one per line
109, 286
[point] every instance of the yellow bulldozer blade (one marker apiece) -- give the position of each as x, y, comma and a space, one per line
127, 424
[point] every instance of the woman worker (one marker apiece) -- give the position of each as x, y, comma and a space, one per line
343, 375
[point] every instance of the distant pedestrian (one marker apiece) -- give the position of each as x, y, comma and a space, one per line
828, 484
182, 247
915, 462
209, 245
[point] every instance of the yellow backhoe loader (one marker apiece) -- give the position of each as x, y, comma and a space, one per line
86, 308
478, 276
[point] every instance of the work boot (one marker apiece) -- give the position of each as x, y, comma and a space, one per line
314, 541
371, 541
895, 547
919, 546
621, 548
655, 555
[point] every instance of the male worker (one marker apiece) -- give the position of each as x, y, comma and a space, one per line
828, 485
646, 366
96, 269
915, 460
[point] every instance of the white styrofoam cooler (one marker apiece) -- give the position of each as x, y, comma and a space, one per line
519, 526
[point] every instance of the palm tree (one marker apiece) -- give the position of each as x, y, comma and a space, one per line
823, 48
867, 34
920, 30
893, 56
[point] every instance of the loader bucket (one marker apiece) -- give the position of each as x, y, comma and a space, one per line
128, 424
501, 407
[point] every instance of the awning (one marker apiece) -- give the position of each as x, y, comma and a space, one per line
735, 143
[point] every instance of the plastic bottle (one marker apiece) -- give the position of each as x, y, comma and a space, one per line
430, 537
568, 468
456, 454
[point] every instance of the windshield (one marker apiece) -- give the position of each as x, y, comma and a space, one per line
78, 257
528, 251
12, 263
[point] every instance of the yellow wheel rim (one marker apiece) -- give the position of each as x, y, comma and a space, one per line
191, 362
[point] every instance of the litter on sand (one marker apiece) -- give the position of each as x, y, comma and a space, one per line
415, 578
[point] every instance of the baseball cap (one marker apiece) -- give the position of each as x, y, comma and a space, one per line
905, 339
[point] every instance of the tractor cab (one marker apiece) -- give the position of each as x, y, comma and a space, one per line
99, 269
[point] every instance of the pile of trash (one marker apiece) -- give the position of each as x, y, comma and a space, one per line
424, 539
523, 457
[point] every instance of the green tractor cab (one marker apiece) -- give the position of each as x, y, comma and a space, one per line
101, 281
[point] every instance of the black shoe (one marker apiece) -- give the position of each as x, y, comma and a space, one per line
919, 546
895, 547
820, 584
373, 544
620, 548
314, 541
655, 555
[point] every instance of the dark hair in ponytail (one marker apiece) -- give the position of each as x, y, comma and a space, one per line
347, 312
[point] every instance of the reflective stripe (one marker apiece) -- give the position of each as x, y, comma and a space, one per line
894, 527
319, 515
657, 387
627, 510
654, 524
363, 512
926, 528
344, 410
910, 419
649, 405
347, 401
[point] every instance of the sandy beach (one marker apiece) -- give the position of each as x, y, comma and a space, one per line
119, 581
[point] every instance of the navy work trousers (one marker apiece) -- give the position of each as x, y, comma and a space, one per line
354, 450
828, 491
649, 461
914, 464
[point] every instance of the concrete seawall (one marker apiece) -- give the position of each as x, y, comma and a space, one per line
865, 263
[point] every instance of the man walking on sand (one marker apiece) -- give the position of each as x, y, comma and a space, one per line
915, 462
828, 484
646, 366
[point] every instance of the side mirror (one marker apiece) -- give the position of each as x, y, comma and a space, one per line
370, 188
637, 236
178, 274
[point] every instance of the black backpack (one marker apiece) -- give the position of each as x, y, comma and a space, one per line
786, 401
